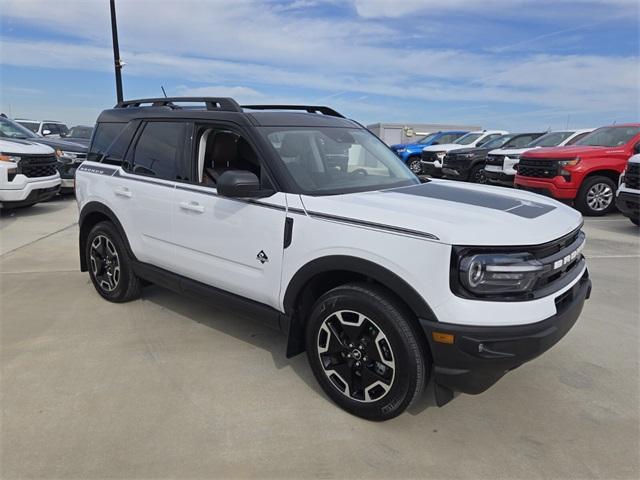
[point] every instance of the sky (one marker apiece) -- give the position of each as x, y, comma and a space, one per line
510, 64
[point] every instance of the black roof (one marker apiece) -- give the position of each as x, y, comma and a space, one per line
208, 108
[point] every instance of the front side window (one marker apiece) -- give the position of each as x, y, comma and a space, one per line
468, 139
81, 132
609, 136
329, 160
159, 151
53, 128
11, 129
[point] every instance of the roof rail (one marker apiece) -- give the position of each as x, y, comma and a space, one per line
212, 103
306, 108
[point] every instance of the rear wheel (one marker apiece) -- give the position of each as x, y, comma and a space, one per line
596, 196
110, 267
414, 165
365, 352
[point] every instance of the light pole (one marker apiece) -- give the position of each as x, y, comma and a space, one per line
116, 51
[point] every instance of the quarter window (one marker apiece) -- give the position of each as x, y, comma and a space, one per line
105, 135
160, 151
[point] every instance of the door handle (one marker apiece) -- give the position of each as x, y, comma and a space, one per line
123, 192
192, 206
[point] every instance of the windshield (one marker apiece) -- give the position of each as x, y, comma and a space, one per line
329, 160
552, 139
33, 126
609, 136
468, 139
428, 138
81, 132
11, 129
497, 142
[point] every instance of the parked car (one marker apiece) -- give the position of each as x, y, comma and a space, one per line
411, 153
628, 194
586, 172
45, 128
69, 154
467, 164
28, 172
433, 156
501, 164
240, 205
80, 134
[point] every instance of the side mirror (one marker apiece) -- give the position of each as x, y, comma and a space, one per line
636, 149
46, 132
240, 184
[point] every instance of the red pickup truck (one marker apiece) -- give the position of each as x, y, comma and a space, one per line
586, 173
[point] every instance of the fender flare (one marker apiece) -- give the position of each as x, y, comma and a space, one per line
92, 208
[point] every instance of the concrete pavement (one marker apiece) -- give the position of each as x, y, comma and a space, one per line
167, 387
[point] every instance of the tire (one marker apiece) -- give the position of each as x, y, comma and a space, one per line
110, 267
365, 351
476, 175
414, 165
596, 196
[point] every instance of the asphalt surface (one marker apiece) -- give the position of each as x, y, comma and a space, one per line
167, 387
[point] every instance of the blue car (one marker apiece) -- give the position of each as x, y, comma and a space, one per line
410, 153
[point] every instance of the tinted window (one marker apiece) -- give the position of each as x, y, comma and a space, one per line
610, 136
52, 127
522, 141
577, 137
447, 138
33, 126
488, 138
160, 150
552, 139
468, 139
105, 135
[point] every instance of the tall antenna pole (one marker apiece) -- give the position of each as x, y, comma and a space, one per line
116, 51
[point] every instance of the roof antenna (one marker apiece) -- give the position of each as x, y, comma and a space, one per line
165, 93
568, 117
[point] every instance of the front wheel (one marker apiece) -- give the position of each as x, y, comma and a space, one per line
415, 165
476, 175
365, 351
596, 196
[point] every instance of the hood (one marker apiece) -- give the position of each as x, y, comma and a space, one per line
573, 151
25, 147
471, 150
511, 151
80, 141
65, 145
445, 147
453, 213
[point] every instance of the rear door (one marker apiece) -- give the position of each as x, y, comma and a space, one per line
144, 188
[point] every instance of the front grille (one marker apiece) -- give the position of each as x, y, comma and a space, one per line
34, 166
495, 160
430, 156
632, 176
562, 258
538, 168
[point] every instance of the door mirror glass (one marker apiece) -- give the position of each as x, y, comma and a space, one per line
240, 184
46, 132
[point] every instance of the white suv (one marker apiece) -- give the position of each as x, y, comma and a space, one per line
433, 155
308, 222
45, 128
500, 168
28, 173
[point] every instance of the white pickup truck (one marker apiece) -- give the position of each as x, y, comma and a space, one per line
28, 173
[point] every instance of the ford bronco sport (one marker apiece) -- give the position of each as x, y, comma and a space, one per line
299, 217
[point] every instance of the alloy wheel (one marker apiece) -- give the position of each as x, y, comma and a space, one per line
415, 166
356, 356
599, 197
105, 263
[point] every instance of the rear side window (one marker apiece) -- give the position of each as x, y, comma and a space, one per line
160, 151
103, 137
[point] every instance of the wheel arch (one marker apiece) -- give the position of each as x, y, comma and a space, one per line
322, 274
612, 174
90, 215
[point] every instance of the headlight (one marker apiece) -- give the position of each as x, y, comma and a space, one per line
514, 157
567, 163
487, 274
66, 157
8, 157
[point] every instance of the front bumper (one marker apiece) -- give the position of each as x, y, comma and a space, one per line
433, 169
480, 356
26, 191
498, 178
629, 204
551, 187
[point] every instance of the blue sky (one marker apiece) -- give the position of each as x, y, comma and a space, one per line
513, 64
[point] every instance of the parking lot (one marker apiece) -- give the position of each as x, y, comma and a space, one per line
167, 387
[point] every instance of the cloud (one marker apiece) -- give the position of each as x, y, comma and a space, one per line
241, 94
